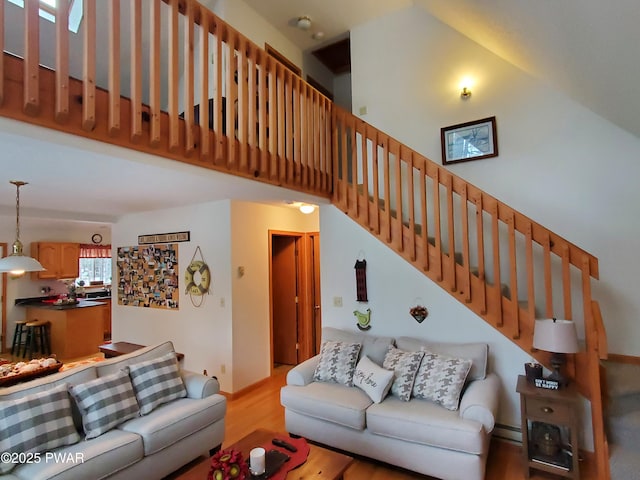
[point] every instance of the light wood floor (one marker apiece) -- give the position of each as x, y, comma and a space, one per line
261, 408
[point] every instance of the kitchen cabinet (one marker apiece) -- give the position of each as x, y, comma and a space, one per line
76, 330
61, 259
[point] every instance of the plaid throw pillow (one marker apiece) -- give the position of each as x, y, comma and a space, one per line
440, 379
337, 362
105, 402
157, 381
36, 423
405, 365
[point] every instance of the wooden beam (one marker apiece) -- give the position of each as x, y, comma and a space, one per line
62, 61
135, 71
31, 81
155, 74
174, 78
114, 67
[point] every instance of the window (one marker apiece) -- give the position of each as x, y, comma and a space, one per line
48, 12
95, 264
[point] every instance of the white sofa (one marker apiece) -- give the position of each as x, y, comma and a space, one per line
417, 435
147, 446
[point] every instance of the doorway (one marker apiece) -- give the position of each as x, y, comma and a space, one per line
294, 266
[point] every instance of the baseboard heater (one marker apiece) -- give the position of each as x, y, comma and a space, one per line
507, 432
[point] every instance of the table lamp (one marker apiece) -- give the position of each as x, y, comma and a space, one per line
558, 337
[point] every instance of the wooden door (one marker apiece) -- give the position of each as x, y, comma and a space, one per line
316, 312
284, 292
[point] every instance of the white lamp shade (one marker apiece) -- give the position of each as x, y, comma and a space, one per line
557, 336
18, 264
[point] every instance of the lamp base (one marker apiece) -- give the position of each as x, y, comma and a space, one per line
557, 361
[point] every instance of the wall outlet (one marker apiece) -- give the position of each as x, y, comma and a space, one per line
362, 110
337, 301
223, 368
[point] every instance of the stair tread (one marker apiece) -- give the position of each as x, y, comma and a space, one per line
622, 378
624, 462
627, 419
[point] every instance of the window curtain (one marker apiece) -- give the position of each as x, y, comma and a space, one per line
95, 251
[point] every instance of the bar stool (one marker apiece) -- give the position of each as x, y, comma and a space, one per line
18, 333
38, 339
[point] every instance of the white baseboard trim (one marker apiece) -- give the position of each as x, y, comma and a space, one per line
508, 432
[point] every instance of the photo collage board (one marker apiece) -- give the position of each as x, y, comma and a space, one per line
148, 276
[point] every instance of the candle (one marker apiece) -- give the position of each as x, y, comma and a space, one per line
257, 461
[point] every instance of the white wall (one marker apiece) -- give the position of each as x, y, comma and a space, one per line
203, 334
231, 328
247, 21
559, 163
250, 225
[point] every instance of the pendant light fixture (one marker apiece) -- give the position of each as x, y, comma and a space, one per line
16, 262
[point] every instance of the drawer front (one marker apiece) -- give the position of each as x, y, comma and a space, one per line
547, 409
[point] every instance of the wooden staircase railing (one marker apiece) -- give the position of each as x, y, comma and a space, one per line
246, 114
168, 77
502, 265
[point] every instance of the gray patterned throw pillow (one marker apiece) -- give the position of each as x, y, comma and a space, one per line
440, 379
337, 362
36, 423
157, 381
405, 365
105, 402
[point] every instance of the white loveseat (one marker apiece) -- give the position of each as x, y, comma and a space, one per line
146, 446
417, 434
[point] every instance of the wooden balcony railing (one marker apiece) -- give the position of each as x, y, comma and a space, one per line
168, 77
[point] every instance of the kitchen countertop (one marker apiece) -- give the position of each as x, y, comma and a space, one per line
50, 306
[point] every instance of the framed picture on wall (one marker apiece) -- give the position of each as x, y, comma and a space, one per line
469, 141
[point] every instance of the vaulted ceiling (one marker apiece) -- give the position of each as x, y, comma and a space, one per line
589, 49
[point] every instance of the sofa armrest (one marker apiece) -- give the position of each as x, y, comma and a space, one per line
480, 401
198, 385
302, 374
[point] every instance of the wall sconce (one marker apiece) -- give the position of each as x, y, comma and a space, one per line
465, 93
307, 209
304, 22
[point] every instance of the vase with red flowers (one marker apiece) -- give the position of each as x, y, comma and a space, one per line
228, 465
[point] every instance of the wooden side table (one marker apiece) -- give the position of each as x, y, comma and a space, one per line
116, 349
544, 415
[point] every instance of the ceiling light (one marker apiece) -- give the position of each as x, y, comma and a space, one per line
307, 209
318, 36
17, 263
304, 22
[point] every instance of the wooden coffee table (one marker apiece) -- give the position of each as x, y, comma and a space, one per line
322, 464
